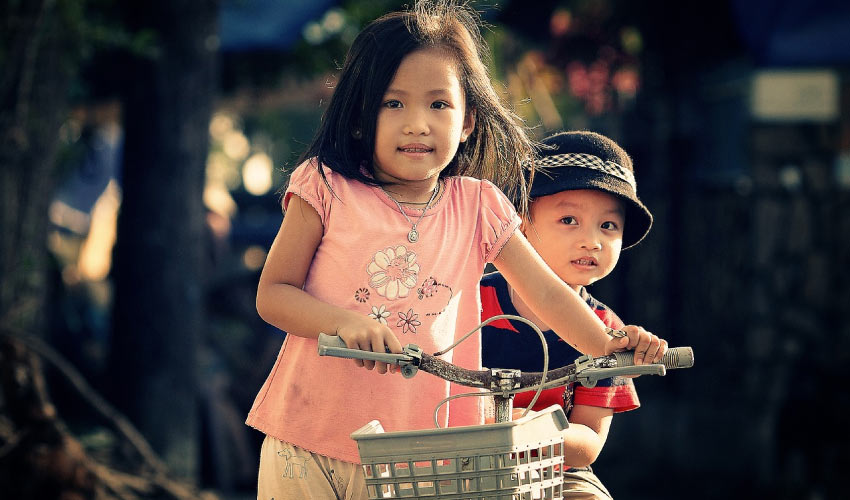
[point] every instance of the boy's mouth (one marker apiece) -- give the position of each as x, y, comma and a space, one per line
585, 261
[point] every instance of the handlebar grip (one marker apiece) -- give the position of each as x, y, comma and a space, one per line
332, 345
676, 357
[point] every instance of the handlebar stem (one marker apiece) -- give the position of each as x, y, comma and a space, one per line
503, 381
409, 368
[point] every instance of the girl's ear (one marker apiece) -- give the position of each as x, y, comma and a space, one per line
468, 125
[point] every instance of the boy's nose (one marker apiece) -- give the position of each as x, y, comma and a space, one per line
591, 245
590, 241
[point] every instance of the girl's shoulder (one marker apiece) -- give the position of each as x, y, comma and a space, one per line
469, 182
320, 187
308, 173
484, 194
466, 186
309, 170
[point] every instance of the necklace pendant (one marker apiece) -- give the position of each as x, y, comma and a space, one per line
413, 234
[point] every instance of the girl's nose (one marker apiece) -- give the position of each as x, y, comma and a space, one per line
416, 124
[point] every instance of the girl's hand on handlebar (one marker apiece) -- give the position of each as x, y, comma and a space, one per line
616, 344
649, 348
369, 335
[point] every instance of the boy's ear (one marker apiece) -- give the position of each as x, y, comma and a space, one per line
468, 125
524, 225
527, 228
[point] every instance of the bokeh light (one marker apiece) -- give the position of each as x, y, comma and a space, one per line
254, 257
257, 174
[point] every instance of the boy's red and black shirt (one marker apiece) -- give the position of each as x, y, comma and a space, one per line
514, 344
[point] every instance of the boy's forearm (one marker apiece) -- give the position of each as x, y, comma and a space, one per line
582, 445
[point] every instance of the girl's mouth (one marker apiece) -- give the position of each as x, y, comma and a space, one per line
415, 148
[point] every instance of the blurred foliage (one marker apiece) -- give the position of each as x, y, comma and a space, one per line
99, 28
325, 41
320, 50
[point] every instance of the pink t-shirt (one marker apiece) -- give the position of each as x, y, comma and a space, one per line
426, 292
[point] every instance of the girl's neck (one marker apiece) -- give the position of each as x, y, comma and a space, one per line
414, 193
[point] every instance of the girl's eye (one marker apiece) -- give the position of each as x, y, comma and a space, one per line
392, 104
569, 220
440, 105
610, 225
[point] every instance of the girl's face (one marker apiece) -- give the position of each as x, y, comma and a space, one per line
421, 122
579, 233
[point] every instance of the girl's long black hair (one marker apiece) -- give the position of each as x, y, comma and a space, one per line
498, 148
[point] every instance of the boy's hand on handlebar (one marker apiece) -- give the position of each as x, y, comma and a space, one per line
648, 347
369, 335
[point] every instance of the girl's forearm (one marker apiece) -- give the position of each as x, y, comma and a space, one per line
296, 312
564, 311
549, 298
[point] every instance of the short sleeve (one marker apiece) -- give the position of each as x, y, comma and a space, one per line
306, 182
619, 395
499, 220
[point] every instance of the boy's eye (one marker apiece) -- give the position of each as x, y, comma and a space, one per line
440, 105
570, 220
392, 104
610, 225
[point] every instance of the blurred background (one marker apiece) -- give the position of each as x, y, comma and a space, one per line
143, 150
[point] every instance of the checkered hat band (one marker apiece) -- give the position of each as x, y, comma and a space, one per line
589, 161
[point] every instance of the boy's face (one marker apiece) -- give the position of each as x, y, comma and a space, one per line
578, 233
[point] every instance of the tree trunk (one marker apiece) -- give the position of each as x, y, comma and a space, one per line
159, 289
39, 58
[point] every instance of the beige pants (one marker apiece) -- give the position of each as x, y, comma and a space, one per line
582, 484
288, 472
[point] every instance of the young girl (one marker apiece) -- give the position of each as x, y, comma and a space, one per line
386, 233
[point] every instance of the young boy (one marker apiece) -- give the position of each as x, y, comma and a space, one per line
584, 209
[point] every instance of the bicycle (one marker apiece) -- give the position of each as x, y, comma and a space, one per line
516, 460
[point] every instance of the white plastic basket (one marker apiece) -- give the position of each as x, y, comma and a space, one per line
516, 460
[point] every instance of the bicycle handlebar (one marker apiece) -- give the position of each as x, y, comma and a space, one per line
587, 369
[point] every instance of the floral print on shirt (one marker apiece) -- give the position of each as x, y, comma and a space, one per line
393, 272
380, 313
408, 321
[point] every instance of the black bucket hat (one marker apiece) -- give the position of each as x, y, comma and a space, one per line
587, 160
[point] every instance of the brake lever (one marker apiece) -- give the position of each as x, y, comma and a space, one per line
591, 376
587, 374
